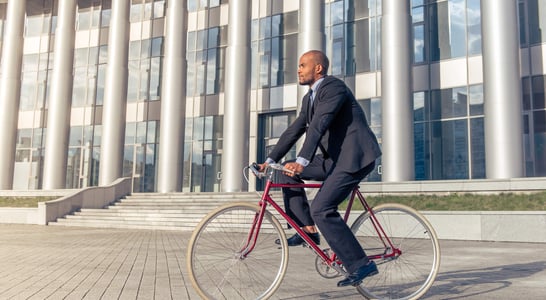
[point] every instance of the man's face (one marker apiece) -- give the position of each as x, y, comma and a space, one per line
307, 70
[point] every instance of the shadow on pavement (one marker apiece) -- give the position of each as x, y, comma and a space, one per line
474, 282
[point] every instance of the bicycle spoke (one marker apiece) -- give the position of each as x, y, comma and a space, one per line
217, 268
408, 274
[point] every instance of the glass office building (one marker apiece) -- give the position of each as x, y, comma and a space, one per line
180, 95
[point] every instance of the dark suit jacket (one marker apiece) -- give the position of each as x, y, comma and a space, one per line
336, 124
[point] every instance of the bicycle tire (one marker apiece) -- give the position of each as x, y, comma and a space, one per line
410, 274
216, 268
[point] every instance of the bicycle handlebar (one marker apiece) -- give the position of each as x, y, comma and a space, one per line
255, 168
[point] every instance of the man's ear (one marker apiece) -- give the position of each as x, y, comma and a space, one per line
319, 69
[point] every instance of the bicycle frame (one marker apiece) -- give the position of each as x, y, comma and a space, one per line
332, 260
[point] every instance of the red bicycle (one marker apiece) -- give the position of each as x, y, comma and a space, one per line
232, 252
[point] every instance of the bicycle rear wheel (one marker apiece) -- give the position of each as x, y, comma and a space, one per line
218, 269
412, 272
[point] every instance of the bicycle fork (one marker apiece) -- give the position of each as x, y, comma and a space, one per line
252, 234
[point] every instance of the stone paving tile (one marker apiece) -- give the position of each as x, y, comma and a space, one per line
41, 262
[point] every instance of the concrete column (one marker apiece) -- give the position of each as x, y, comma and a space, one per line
236, 102
396, 92
311, 33
115, 95
10, 89
502, 90
173, 100
60, 98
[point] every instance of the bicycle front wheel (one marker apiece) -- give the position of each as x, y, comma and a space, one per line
223, 263
408, 274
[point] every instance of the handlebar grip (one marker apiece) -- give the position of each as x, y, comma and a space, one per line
255, 168
280, 167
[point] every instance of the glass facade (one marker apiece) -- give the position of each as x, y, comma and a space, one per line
38, 36
353, 35
533, 36
448, 115
449, 134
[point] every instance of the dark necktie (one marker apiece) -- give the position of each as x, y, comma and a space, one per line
310, 106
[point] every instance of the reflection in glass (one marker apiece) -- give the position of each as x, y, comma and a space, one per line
537, 23
449, 150
475, 96
474, 23
477, 146
539, 91
539, 122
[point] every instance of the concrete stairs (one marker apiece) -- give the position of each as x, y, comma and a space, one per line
170, 211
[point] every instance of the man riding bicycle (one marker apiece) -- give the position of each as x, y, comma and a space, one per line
339, 149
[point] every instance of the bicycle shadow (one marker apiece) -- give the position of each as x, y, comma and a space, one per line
350, 293
475, 282
455, 284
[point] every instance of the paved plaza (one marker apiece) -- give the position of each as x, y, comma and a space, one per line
54, 262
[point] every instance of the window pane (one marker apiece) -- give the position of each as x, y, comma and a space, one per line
361, 8
457, 30
105, 20
130, 133
152, 133
276, 25
157, 46
145, 48
34, 25
24, 138
539, 121
478, 148
336, 11
128, 155
100, 84
276, 78
362, 43
134, 50
155, 79
289, 65
141, 133
539, 90
144, 76
80, 57
76, 136
133, 81
79, 85
418, 14
159, 9
422, 155
84, 19
200, 61
290, 23
476, 99
211, 72
453, 103
28, 91
30, 62
449, 150
473, 18
419, 43
537, 23
37, 138
419, 106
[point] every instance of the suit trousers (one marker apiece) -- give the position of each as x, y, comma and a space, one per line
323, 212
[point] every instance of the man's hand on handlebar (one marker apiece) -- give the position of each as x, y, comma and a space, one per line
262, 167
290, 169
293, 169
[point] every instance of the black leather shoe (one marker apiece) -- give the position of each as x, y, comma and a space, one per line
297, 240
357, 276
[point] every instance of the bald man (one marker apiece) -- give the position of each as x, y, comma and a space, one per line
339, 149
